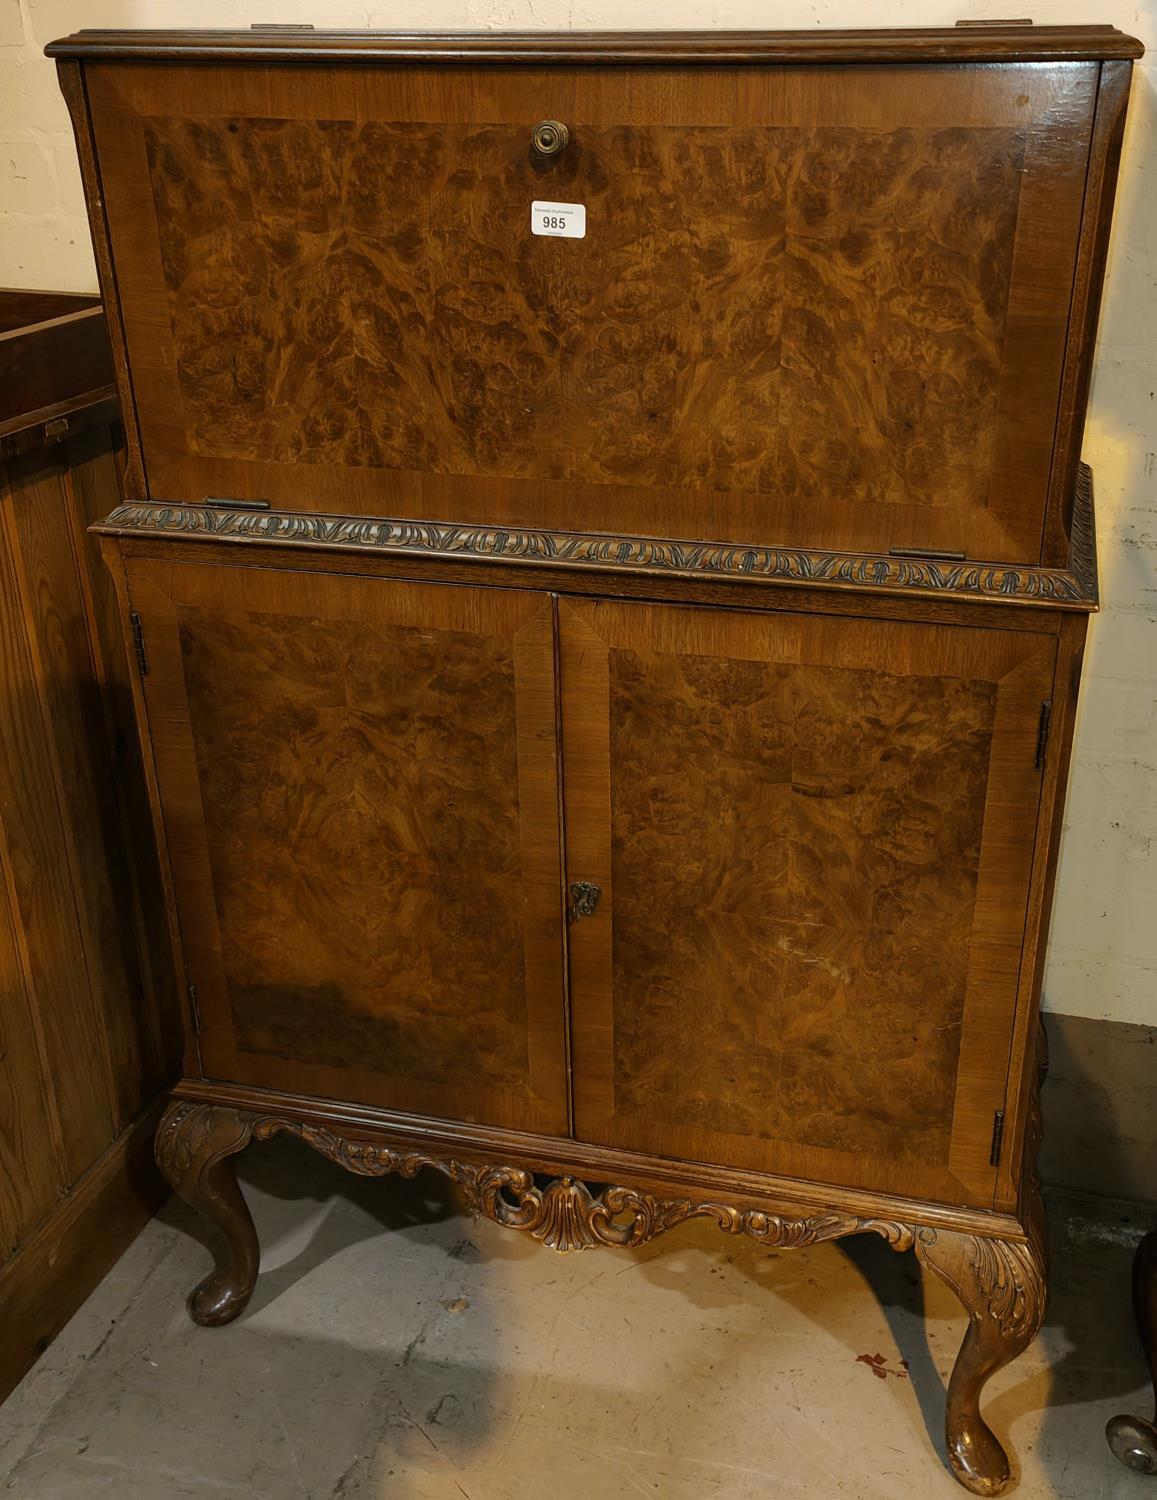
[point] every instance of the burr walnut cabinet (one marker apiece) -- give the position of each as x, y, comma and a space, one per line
607, 559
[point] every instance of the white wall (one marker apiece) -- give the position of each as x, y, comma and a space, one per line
1103, 958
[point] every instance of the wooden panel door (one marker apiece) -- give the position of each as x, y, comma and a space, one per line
823, 306
813, 836
359, 787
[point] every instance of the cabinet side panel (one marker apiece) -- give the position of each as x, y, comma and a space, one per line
73, 80
1088, 282
93, 490
1024, 1056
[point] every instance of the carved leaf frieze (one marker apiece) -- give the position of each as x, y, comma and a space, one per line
1051, 586
1083, 540
564, 1214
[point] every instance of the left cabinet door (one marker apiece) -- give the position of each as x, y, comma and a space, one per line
359, 787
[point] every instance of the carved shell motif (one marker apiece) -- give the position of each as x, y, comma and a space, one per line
564, 1217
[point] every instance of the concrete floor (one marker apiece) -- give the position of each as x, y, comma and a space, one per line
395, 1350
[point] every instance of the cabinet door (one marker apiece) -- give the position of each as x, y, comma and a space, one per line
358, 780
813, 837
820, 306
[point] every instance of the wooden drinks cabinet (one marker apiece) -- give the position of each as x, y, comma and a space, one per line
608, 559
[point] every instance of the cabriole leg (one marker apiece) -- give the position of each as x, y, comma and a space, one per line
195, 1147
1002, 1286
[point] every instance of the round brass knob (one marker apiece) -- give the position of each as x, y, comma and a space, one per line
549, 137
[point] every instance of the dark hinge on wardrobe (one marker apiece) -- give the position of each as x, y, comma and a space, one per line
997, 1138
195, 1009
139, 643
1042, 735
927, 554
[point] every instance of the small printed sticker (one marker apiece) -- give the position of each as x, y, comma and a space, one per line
565, 221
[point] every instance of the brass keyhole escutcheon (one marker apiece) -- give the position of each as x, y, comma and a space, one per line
549, 138
584, 897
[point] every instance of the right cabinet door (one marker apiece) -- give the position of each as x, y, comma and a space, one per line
813, 837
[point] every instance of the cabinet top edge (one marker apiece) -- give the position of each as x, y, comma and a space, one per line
975, 43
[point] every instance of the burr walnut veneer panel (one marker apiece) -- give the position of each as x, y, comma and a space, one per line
359, 793
814, 840
824, 307
404, 219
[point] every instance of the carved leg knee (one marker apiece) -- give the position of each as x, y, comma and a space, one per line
1002, 1286
195, 1147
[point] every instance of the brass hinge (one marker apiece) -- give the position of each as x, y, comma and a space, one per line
223, 502
195, 1009
997, 1138
927, 554
139, 643
1042, 734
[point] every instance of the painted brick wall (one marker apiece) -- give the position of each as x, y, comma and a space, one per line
1103, 957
